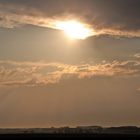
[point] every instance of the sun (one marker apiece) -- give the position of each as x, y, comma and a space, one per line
74, 29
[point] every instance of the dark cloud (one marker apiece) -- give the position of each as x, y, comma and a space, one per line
108, 14
114, 17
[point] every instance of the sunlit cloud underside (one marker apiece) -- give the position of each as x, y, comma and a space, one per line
14, 73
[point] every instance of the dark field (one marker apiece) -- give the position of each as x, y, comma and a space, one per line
64, 132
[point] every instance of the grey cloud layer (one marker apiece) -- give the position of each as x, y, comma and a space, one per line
116, 17
42, 73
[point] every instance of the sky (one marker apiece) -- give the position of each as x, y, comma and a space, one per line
49, 79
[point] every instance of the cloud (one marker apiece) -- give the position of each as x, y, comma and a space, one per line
137, 55
41, 73
111, 17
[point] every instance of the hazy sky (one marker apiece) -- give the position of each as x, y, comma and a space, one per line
48, 79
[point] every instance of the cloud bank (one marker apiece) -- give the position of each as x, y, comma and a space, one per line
111, 17
41, 73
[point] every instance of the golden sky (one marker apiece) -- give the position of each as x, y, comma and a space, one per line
65, 62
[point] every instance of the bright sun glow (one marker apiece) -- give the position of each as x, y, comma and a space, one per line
74, 29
